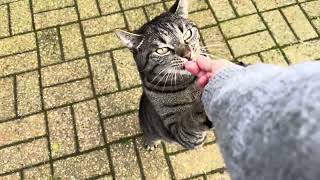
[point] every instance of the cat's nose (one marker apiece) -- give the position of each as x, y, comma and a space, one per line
187, 55
208, 123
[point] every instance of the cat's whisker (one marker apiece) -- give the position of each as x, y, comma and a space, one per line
165, 82
175, 77
180, 75
138, 70
214, 45
162, 76
212, 56
171, 77
216, 49
160, 73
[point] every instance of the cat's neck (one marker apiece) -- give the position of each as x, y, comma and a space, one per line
167, 87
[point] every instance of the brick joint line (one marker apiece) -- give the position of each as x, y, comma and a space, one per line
9, 19
308, 18
220, 29
288, 24
270, 32
41, 90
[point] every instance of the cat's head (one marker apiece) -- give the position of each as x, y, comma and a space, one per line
165, 43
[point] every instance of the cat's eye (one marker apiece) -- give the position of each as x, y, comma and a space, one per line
187, 35
162, 51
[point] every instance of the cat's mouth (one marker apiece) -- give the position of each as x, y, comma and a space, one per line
180, 69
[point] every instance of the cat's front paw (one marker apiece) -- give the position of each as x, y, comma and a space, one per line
151, 146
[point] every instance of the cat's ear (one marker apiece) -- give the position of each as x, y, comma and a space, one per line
180, 8
132, 41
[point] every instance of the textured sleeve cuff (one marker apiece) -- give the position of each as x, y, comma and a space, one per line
218, 81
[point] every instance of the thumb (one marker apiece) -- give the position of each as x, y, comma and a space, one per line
205, 64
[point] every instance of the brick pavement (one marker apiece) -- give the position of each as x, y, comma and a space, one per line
69, 90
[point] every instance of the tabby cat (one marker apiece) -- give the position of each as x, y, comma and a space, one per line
170, 107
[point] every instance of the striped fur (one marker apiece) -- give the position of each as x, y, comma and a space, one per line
170, 107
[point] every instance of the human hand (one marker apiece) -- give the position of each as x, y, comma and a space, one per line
204, 68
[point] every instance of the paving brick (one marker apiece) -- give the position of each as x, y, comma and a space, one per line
62, 137
125, 161
23, 155
91, 164
103, 75
115, 73
198, 178
264, 5
136, 18
251, 43
240, 26
40, 5
15, 176
72, 41
174, 147
39, 172
118, 102
316, 23
61, 73
109, 177
22, 129
87, 8
28, 93
244, 7
197, 18
154, 163
154, 10
67, 93
98, 43
253, 59
126, 68
4, 21
299, 23
197, 161
279, 27
274, 57
103, 24
219, 176
108, 6
17, 44
170, 3
49, 47
88, 125
195, 5
115, 130
222, 9
20, 17
7, 1
54, 18
303, 52
312, 8
18, 63
6, 99
215, 43
126, 4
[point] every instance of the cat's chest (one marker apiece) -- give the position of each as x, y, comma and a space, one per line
164, 101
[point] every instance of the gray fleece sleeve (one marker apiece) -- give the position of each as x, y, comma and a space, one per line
267, 120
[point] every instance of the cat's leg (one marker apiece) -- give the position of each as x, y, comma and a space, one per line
148, 119
190, 127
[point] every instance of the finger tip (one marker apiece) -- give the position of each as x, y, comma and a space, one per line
192, 67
